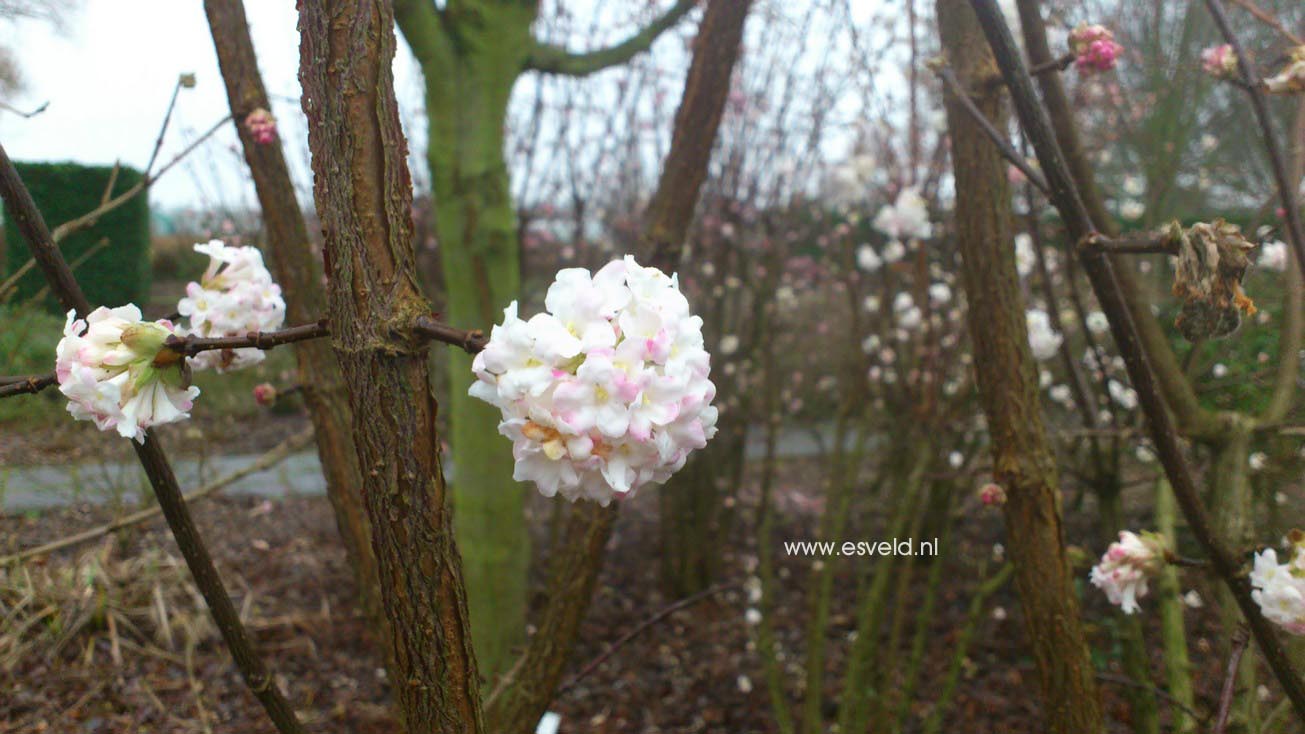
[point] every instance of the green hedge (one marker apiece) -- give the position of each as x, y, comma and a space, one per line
117, 274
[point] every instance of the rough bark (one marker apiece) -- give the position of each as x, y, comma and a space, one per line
297, 271
1007, 376
364, 198
715, 52
691, 503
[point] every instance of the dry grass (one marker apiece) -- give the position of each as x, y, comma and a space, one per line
146, 602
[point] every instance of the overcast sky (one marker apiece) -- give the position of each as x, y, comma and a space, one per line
109, 74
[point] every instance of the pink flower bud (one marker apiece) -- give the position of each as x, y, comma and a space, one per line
1219, 61
992, 495
1094, 48
265, 394
261, 126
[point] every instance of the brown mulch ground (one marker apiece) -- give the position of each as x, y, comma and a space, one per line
697, 671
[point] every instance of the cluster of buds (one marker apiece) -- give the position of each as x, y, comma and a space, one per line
261, 126
605, 392
1127, 566
1212, 261
1220, 61
1279, 588
1291, 78
1094, 48
992, 495
117, 371
235, 296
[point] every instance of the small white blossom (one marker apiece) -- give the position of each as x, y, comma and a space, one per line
1258, 461
1273, 256
1097, 323
1193, 600
1026, 258
867, 259
607, 390
1044, 340
1124, 569
906, 218
1124, 396
1279, 589
108, 366
235, 296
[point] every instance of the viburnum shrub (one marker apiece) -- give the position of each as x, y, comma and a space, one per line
607, 390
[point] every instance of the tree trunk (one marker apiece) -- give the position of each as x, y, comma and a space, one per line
364, 197
691, 504
1007, 376
1232, 503
297, 271
467, 93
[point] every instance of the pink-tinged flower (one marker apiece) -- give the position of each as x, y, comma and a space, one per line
992, 495
114, 370
1279, 589
1291, 78
1127, 565
1219, 61
1094, 48
265, 394
235, 296
261, 126
606, 391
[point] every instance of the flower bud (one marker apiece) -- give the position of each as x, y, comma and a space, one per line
265, 394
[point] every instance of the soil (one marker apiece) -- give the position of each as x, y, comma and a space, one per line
697, 670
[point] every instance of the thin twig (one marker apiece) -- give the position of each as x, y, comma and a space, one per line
26, 115
1239, 641
1126, 681
642, 626
190, 345
1059, 64
29, 384
1135, 244
1008, 151
1268, 19
471, 341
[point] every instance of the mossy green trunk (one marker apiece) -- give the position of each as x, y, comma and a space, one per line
468, 84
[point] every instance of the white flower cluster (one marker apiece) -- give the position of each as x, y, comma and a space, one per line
110, 367
1279, 589
1044, 340
906, 218
1124, 569
235, 296
1273, 256
607, 390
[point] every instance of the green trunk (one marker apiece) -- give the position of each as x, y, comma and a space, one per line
476, 225
1231, 504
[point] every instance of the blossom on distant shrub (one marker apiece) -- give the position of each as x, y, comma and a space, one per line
265, 394
1273, 256
1044, 340
607, 390
114, 371
1291, 78
905, 218
1126, 566
235, 296
992, 495
261, 126
1094, 48
1279, 588
1219, 61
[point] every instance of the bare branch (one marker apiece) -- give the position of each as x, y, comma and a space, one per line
556, 60
1239, 642
1003, 144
